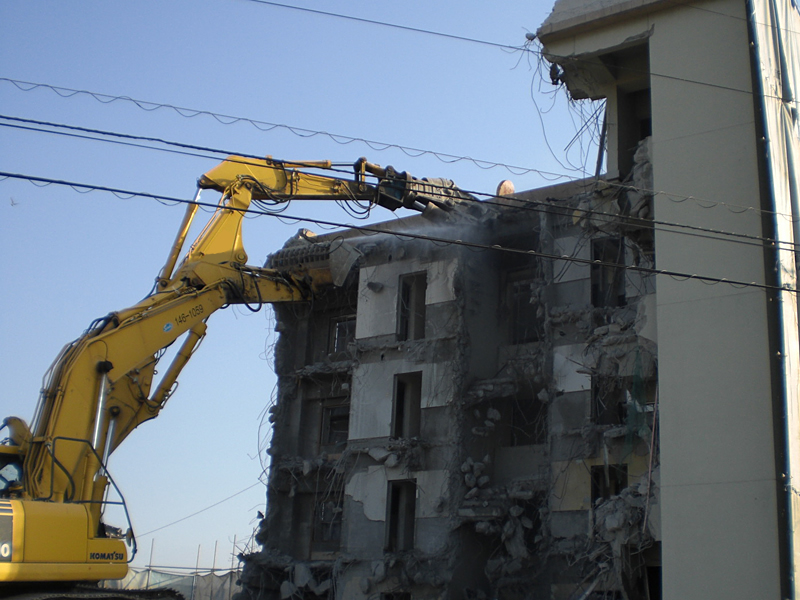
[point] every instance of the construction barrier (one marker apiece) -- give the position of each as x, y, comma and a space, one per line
201, 585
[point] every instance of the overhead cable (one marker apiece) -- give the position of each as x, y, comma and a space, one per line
149, 106
374, 145
529, 36
459, 38
202, 510
684, 4
126, 136
542, 206
43, 181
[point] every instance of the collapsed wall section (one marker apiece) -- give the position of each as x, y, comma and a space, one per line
456, 422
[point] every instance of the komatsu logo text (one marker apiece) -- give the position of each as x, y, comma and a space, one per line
106, 556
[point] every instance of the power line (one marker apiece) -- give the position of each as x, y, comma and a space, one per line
43, 181
545, 207
459, 38
126, 136
683, 4
643, 223
527, 46
109, 141
149, 106
202, 510
374, 145
542, 206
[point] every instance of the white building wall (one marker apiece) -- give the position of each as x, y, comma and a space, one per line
373, 392
373, 383
378, 288
718, 499
718, 478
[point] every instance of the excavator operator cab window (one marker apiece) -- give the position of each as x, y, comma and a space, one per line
10, 474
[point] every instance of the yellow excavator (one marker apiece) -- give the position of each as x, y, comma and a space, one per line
54, 481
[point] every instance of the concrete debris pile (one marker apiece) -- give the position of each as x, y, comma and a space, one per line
403, 571
302, 582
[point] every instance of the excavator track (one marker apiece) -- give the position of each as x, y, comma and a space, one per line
91, 593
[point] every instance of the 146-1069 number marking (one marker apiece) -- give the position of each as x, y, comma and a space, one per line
192, 313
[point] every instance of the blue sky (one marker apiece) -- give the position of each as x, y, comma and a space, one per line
70, 257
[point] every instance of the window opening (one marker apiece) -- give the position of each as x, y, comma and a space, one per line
402, 496
608, 480
608, 401
411, 310
654, 581
528, 421
635, 124
342, 333
531, 511
10, 473
335, 426
630, 68
607, 273
527, 324
407, 405
327, 532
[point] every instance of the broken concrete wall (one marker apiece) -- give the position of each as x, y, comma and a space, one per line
501, 459
373, 390
379, 289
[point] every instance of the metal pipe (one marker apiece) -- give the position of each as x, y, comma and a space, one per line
103, 367
195, 334
166, 272
112, 427
92, 458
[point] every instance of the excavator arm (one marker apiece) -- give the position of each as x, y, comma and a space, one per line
101, 387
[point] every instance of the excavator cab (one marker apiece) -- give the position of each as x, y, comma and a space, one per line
10, 472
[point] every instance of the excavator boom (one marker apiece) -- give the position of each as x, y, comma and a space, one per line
101, 387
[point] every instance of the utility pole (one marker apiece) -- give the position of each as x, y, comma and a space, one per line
196, 568
150, 564
232, 573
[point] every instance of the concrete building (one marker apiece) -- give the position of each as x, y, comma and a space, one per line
715, 84
467, 421
569, 399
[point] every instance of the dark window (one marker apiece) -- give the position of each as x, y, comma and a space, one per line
608, 481
343, 332
630, 68
327, 524
608, 274
406, 406
654, 582
608, 401
411, 309
531, 517
526, 314
335, 426
636, 124
528, 421
401, 511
